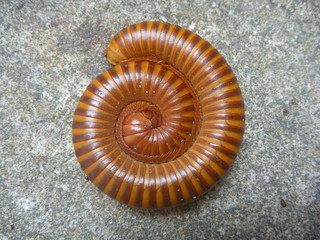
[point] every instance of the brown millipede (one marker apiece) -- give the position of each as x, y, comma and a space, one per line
165, 123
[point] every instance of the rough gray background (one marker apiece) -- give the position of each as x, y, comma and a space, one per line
50, 51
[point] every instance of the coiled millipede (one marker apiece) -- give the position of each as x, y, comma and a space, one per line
165, 123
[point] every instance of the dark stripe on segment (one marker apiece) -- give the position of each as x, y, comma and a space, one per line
195, 58
176, 101
224, 106
171, 134
157, 84
224, 138
171, 95
119, 175
159, 141
88, 136
153, 38
219, 96
164, 186
149, 27
177, 124
120, 45
176, 120
172, 51
215, 72
200, 179
162, 38
226, 94
130, 178
162, 139
88, 125
202, 61
127, 76
169, 44
179, 45
221, 70
118, 80
110, 170
135, 39
179, 109
109, 86
178, 89
163, 89
186, 50
138, 76
205, 167
144, 38
218, 85
227, 116
167, 40
175, 182
229, 152
102, 94
140, 186
92, 146
185, 178
143, 143
145, 78
178, 117
104, 163
126, 39
212, 156
170, 99
95, 103
223, 127
93, 114
96, 156
157, 39
148, 78
152, 186
153, 148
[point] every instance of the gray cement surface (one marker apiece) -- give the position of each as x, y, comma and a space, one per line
50, 51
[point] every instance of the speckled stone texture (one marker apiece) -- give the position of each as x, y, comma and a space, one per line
50, 51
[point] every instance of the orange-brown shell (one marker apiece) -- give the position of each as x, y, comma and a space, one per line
165, 123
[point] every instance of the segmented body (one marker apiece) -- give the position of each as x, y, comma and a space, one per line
165, 123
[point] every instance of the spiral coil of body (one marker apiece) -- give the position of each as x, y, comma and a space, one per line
165, 123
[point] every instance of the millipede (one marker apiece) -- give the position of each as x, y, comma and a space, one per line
164, 124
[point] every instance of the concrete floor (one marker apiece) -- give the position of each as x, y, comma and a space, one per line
50, 51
